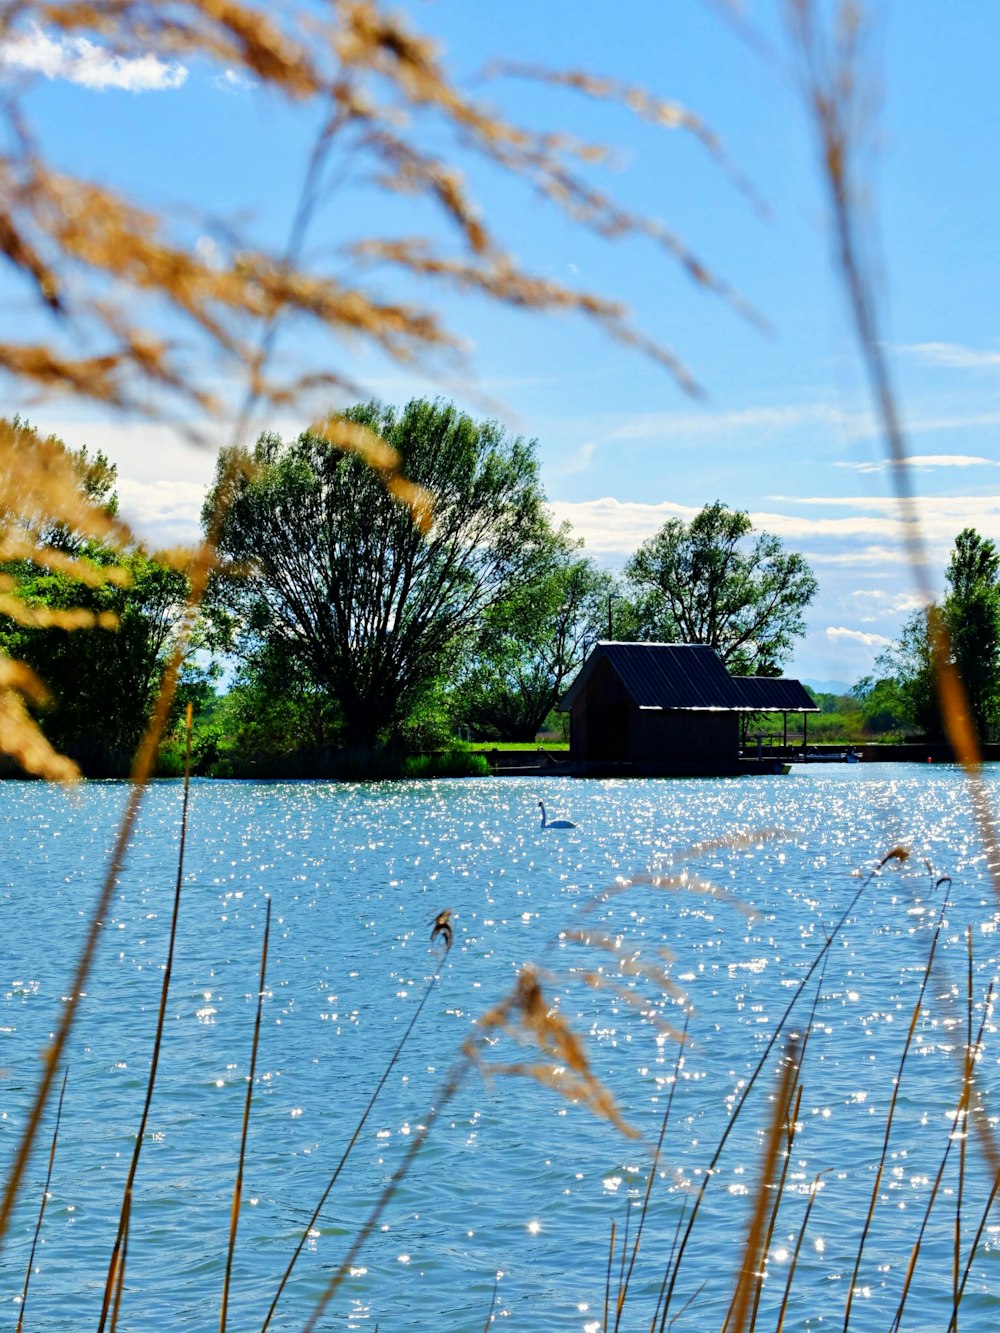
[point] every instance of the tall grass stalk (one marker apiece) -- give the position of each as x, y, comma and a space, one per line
897, 1083
777, 1201
786, 1298
493, 1303
984, 1216
669, 1267
653, 1168
962, 1116
53, 1054
792, 1124
116, 1268
42, 1206
607, 1277
834, 92
778, 1130
307, 1229
234, 1219
959, 1129
896, 853
449, 1088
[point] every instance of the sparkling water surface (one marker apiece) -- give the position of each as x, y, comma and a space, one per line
714, 896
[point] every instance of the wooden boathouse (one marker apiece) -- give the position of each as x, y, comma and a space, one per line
659, 708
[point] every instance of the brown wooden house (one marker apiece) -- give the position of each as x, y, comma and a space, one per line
667, 708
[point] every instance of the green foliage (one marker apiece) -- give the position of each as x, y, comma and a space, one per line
362, 611
531, 645
447, 764
707, 582
970, 617
883, 704
103, 681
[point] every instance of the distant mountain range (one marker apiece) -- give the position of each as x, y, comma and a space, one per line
828, 686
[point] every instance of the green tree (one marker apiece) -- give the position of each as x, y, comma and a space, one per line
909, 663
970, 616
366, 606
883, 705
531, 646
103, 680
715, 581
93, 620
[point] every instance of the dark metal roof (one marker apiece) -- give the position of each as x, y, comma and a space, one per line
688, 676
768, 694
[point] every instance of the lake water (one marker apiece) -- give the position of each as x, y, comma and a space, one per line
514, 1179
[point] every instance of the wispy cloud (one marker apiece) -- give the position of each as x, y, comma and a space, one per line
668, 428
831, 426
954, 354
233, 81
83, 62
611, 527
838, 634
164, 513
922, 462
876, 603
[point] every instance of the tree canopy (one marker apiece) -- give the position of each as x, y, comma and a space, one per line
531, 645
336, 576
715, 581
90, 613
969, 617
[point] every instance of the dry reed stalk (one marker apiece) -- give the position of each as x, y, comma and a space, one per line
835, 93
654, 1165
994, 1188
753, 1253
793, 1121
493, 1304
234, 1219
41, 500
360, 68
917, 1010
895, 854
52, 1056
442, 927
963, 1114
669, 1267
778, 1195
448, 1089
960, 1118
532, 1022
42, 1206
607, 1277
114, 1283
795, 1256
69, 238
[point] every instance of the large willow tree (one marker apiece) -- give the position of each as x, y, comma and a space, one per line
336, 578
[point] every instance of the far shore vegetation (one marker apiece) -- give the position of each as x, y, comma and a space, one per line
339, 638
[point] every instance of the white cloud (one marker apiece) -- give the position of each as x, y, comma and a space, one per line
753, 422
83, 62
827, 424
922, 462
953, 354
839, 634
875, 602
872, 559
616, 527
233, 81
164, 513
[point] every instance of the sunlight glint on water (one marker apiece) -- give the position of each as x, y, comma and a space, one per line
512, 1178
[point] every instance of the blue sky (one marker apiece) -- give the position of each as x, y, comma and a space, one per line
783, 428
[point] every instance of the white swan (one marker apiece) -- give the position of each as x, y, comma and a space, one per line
554, 823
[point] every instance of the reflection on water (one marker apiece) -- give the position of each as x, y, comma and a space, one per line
513, 1179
